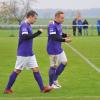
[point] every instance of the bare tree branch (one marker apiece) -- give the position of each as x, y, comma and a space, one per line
16, 8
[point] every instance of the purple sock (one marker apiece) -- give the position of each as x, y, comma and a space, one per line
38, 78
52, 72
59, 70
11, 80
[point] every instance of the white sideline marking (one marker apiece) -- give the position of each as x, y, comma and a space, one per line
84, 58
60, 97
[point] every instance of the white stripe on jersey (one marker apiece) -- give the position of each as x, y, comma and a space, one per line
52, 32
53, 22
24, 33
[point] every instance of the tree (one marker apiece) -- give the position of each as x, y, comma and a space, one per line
16, 8
4, 12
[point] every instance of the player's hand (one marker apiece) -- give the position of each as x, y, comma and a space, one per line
41, 30
68, 40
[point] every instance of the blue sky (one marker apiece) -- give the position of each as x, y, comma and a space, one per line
68, 4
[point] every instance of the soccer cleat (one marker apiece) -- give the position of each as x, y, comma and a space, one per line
8, 91
56, 84
47, 89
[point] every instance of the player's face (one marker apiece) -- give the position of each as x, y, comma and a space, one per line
33, 19
61, 18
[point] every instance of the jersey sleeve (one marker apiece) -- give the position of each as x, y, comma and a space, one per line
24, 29
52, 29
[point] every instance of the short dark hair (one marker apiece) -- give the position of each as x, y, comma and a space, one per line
31, 13
58, 13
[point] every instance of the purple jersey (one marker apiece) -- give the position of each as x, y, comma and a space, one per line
54, 47
25, 46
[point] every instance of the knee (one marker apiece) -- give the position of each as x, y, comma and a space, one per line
17, 71
36, 69
54, 66
64, 63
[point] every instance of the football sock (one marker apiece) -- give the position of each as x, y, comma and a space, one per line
11, 80
52, 73
38, 78
59, 70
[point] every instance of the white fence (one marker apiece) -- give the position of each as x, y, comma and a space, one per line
92, 29
42, 26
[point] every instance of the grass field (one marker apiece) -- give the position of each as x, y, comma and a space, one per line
79, 80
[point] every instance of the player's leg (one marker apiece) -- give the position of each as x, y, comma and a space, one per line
99, 32
62, 59
11, 81
74, 31
52, 70
80, 31
87, 31
34, 66
38, 77
18, 67
84, 31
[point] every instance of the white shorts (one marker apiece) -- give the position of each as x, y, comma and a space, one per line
57, 59
28, 62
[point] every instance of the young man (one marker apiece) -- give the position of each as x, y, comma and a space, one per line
98, 27
56, 53
79, 23
85, 27
25, 55
74, 23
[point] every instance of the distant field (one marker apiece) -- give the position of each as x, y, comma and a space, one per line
67, 20
79, 81
45, 21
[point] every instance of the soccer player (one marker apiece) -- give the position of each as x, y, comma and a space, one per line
54, 49
25, 55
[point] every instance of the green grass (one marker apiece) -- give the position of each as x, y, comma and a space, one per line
79, 80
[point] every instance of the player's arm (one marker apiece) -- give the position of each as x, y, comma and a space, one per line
64, 35
28, 36
55, 37
60, 39
67, 37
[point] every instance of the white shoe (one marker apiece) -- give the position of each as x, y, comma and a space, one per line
54, 86
57, 84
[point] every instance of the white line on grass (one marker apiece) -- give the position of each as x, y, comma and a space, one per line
84, 58
41, 97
